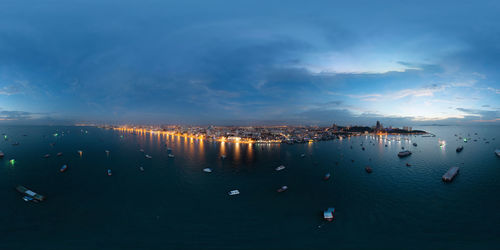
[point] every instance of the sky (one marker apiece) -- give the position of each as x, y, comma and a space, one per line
249, 62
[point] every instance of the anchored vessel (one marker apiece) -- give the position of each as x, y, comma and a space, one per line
452, 172
328, 214
459, 149
30, 194
404, 153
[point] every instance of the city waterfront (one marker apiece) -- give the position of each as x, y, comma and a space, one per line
174, 204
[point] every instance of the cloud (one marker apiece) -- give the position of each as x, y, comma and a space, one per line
6, 115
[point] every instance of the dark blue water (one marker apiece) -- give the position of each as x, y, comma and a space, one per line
174, 204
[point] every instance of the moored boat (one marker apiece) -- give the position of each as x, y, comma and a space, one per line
223, 157
404, 153
414, 144
282, 189
459, 149
148, 156
329, 214
450, 174
141, 169
368, 169
327, 176
171, 155
279, 168
46, 156
234, 192
109, 172
497, 152
59, 154
207, 170
1, 154
63, 168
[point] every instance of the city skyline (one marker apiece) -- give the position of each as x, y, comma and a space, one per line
259, 63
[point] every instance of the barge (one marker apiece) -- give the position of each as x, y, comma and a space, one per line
29, 193
450, 174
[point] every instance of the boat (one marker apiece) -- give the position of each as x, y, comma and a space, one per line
80, 152
63, 168
459, 149
27, 198
303, 155
15, 143
234, 192
169, 149
281, 167
327, 176
30, 193
59, 154
1, 154
223, 157
109, 172
328, 214
141, 169
141, 150
404, 153
368, 169
450, 174
282, 189
171, 155
46, 156
497, 152
363, 148
148, 156
414, 144
408, 164
207, 170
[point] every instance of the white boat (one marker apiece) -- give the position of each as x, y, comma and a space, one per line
282, 189
148, 156
281, 167
171, 155
234, 192
141, 168
303, 155
497, 152
223, 157
1, 154
207, 170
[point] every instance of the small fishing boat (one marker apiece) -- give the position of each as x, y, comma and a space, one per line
63, 168
59, 154
79, 152
408, 164
171, 155
459, 149
1, 154
414, 144
109, 172
141, 150
207, 170
368, 169
279, 168
223, 157
327, 176
363, 148
328, 214
15, 143
148, 156
141, 169
234, 192
46, 156
282, 189
497, 152
303, 155
404, 153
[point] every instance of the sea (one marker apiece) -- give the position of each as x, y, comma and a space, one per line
174, 204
